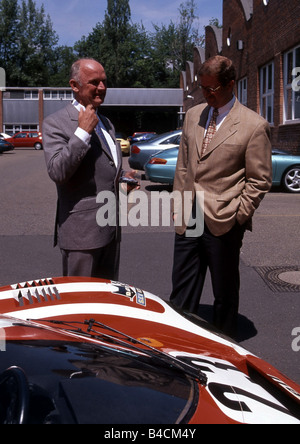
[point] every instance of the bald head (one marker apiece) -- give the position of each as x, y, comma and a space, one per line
89, 82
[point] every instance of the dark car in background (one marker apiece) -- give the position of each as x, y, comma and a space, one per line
141, 137
5, 146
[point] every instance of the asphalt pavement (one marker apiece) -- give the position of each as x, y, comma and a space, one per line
270, 306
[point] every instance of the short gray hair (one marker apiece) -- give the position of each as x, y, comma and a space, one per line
76, 68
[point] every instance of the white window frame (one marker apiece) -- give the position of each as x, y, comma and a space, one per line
58, 94
243, 91
291, 95
31, 94
267, 82
16, 128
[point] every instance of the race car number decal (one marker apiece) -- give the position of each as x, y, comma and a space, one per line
236, 395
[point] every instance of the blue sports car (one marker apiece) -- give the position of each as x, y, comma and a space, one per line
141, 152
286, 169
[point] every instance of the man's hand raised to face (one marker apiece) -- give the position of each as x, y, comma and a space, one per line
88, 119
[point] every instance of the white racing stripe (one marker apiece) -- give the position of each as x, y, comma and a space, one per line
170, 317
75, 287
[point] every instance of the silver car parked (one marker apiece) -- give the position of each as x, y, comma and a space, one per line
141, 152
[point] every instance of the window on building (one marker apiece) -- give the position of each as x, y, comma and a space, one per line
58, 95
243, 91
292, 85
15, 94
31, 95
267, 92
13, 129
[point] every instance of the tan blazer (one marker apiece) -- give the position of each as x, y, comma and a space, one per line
235, 173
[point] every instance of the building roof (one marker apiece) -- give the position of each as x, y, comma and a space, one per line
248, 8
144, 97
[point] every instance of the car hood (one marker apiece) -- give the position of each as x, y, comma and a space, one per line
90, 317
285, 155
156, 140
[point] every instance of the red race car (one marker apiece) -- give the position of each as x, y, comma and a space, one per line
85, 351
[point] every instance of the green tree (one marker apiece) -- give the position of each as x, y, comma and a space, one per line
59, 70
132, 57
90, 46
122, 47
187, 34
175, 43
127, 51
36, 42
115, 44
9, 21
27, 43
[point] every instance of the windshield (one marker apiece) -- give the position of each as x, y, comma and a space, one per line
163, 136
72, 382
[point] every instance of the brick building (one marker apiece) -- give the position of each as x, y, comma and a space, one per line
262, 37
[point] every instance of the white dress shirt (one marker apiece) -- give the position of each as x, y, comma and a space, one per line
223, 113
86, 137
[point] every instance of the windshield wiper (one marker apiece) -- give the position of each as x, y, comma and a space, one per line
189, 369
172, 361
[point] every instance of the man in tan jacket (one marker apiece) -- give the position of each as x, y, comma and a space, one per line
225, 156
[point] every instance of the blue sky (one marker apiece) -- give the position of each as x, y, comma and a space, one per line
74, 18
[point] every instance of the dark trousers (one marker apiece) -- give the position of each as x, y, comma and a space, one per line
221, 255
102, 263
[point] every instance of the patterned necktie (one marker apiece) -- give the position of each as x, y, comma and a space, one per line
211, 131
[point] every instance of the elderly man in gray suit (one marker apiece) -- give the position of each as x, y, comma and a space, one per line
83, 158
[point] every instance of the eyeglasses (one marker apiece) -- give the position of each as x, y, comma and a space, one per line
209, 89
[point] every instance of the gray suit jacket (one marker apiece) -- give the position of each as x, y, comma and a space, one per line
80, 173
